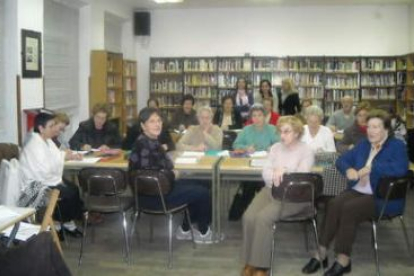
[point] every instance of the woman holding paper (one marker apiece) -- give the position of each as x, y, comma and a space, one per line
148, 153
41, 161
289, 155
204, 136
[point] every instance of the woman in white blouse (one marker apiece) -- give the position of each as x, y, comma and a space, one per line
320, 138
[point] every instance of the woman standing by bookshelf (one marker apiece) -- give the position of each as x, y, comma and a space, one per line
227, 117
244, 100
265, 92
289, 103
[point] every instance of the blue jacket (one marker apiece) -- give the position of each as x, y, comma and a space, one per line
392, 160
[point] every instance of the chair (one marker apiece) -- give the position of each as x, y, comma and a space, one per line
8, 151
298, 188
154, 183
390, 189
104, 191
228, 139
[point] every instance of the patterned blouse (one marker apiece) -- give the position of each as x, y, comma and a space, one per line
148, 154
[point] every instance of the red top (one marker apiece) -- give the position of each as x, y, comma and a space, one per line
274, 117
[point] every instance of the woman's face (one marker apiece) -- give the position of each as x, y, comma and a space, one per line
287, 135
49, 130
152, 127
285, 86
313, 121
99, 119
267, 106
59, 128
361, 117
204, 119
258, 118
376, 131
228, 105
188, 106
265, 87
241, 84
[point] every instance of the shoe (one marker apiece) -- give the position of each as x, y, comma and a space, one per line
248, 270
76, 233
313, 265
182, 235
206, 238
338, 270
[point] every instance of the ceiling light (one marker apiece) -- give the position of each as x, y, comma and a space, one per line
168, 1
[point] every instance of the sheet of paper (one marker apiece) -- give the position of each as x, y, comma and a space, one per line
89, 160
193, 154
224, 153
258, 154
26, 230
6, 214
258, 162
186, 160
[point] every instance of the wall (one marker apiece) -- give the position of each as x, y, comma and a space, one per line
279, 31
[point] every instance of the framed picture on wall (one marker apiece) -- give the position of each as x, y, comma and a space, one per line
31, 54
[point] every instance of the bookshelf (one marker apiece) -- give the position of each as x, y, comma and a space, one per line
129, 112
383, 81
200, 80
106, 82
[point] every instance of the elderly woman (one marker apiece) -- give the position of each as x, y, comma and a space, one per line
41, 161
358, 131
148, 153
96, 132
61, 122
319, 137
203, 137
271, 116
290, 155
259, 135
342, 118
227, 117
289, 103
380, 154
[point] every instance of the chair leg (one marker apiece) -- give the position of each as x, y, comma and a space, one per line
62, 230
170, 239
405, 234
375, 245
151, 225
125, 232
135, 218
272, 253
83, 240
305, 235
188, 218
315, 231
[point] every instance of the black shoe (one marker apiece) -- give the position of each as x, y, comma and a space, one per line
313, 265
74, 233
338, 270
61, 235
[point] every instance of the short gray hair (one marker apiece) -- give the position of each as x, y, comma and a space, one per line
256, 107
206, 108
314, 110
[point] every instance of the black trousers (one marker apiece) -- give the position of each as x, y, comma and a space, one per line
70, 206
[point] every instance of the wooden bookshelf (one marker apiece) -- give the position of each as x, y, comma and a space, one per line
409, 91
106, 82
129, 112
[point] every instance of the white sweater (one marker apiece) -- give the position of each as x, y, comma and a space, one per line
323, 141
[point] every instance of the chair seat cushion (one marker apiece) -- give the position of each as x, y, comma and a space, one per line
108, 204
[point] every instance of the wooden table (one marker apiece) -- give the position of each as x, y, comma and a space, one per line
23, 213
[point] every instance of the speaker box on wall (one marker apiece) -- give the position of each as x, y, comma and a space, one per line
142, 23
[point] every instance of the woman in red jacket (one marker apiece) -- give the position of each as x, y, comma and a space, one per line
271, 117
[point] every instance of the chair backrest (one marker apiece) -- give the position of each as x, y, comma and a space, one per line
151, 182
8, 151
102, 181
228, 139
392, 188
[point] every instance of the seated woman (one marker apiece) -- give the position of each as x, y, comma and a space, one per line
135, 130
227, 117
62, 121
319, 137
186, 116
259, 135
203, 137
42, 161
378, 155
358, 131
271, 116
290, 155
148, 153
97, 132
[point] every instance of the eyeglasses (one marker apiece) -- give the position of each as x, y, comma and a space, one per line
286, 131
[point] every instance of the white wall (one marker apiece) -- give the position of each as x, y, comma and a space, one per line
278, 31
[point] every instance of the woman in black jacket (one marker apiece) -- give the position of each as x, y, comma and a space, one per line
227, 117
289, 103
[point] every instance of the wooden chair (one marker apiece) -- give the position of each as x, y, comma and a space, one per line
48, 218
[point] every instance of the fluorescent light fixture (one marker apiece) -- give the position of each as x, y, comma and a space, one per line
167, 1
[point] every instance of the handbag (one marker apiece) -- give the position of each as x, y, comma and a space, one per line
152, 182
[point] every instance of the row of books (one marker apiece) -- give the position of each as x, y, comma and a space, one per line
112, 96
200, 79
203, 92
114, 65
166, 85
166, 66
337, 95
274, 78
243, 65
130, 69
371, 64
113, 81
310, 93
130, 98
200, 65
342, 81
170, 100
342, 66
306, 65
303, 79
331, 107
378, 80
130, 84
270, 65
378, 94
226, 80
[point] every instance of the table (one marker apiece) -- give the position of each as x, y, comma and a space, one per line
23, 213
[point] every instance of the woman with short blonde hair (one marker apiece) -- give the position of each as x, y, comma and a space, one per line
289, 103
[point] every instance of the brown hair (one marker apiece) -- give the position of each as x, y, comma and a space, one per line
62, 118
363, 105
293, 121
101, 107
384, 116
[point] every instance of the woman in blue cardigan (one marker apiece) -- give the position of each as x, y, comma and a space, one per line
379, 155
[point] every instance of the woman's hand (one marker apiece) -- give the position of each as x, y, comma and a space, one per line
364, 172
103, 148
70, 155
278, 176
86, 147
352, 174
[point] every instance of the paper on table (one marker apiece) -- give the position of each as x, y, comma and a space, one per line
26, 230
193, 154
186, 160
224, 153
83, 152
90, 160
259, 154
258, 162
7, 214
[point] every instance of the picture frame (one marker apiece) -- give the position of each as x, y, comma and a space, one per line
31, 54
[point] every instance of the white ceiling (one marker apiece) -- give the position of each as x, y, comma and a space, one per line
150, 4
